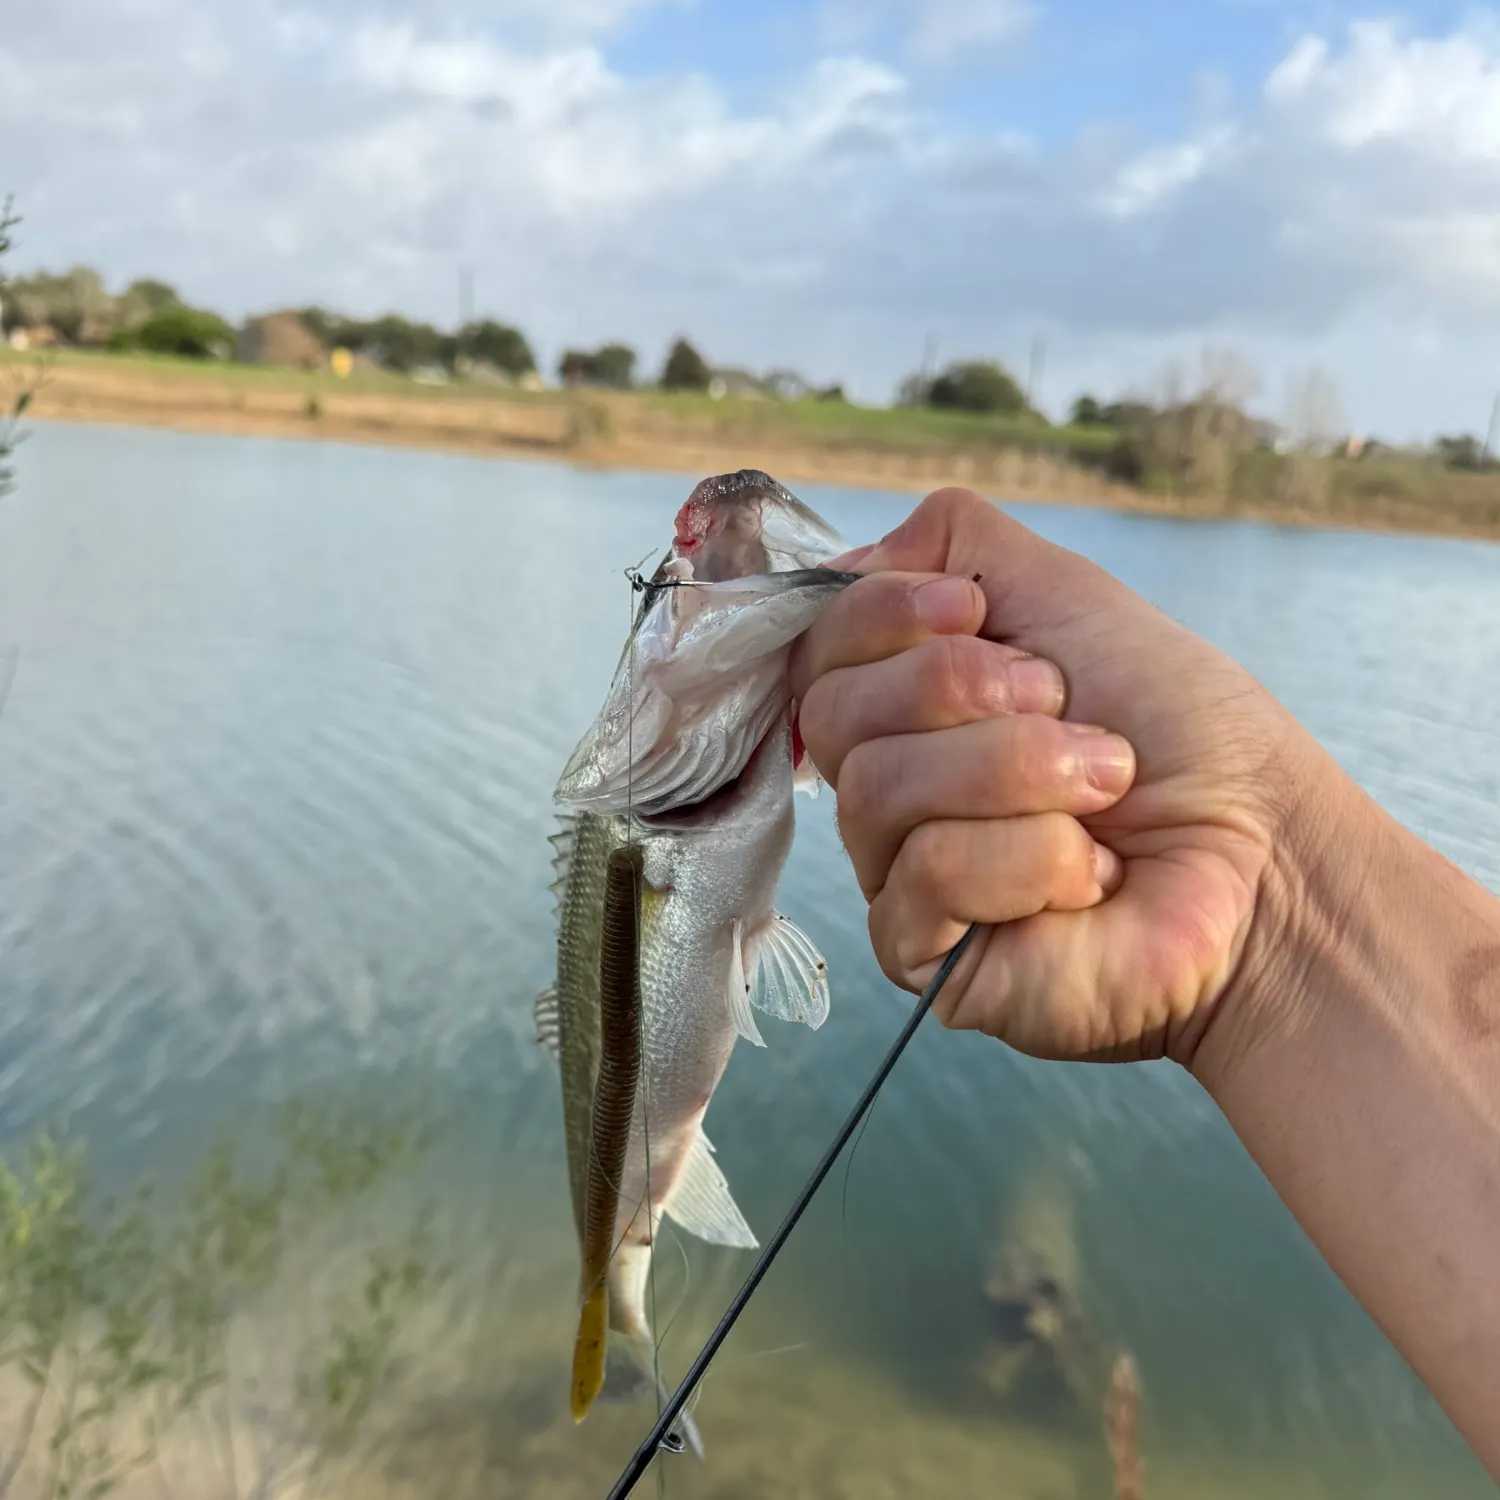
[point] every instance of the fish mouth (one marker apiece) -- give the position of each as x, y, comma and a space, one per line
734, 525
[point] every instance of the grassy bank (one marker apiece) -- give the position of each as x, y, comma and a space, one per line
809, 440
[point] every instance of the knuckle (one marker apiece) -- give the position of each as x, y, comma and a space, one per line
926, 857
883, 935
817, 716
1030, 756
952, 501
951, 676
1066, 853
862, 783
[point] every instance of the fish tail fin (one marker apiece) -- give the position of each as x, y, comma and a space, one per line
589, 1349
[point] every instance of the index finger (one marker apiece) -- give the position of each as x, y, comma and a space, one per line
883, 614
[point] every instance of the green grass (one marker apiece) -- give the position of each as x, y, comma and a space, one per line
834, 424
264, 377
839, 424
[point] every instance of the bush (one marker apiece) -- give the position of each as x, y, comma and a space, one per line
685, 369
978, 386
613, 365
1464, 453
497, 344
190, 332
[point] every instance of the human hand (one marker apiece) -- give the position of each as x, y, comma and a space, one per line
1117, 893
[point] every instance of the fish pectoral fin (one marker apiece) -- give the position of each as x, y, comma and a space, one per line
544, 1016
738, 996
589, 1349
702, 1205
791, 979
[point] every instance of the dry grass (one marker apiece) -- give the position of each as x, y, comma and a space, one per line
1194, 464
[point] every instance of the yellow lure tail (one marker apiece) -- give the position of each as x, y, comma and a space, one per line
588, 1350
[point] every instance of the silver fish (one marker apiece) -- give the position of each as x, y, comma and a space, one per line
680, 821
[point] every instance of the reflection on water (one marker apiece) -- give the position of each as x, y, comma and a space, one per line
274, 798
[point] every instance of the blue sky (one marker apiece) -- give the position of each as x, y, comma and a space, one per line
823, 184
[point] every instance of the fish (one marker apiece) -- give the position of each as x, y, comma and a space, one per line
676, 820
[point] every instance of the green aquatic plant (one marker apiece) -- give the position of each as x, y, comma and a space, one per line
117, 1315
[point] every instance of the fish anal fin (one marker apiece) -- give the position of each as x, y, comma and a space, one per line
737, 997
545, 1017
701, 1202
790, 977
589, 1350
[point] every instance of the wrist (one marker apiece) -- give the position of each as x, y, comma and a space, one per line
1307, 922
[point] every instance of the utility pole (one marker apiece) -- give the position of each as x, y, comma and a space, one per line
1034, 372
1494, 432
929, 355
465, 296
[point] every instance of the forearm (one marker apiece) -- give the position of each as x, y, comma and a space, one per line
1358, 1059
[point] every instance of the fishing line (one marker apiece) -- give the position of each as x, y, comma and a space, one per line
844, 1212
656, 1336
658, 1436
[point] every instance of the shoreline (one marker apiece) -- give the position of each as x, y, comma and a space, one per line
607, 430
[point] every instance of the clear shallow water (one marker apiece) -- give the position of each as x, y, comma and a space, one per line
274, 797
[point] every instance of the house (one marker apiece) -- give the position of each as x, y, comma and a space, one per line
279, 338
40, 337
738, 383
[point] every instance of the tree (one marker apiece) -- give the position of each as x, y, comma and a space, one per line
74, 305
613, 365
978, 386
1087, 412
190, 332
685, 369
142, 300
1463, 452
1128, 416
497, 344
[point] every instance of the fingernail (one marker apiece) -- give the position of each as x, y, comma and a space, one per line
948, 606
1108, 760
1036, 686
1109, 871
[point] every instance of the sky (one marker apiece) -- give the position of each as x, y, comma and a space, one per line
841, 187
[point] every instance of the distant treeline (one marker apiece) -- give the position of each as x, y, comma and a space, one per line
1188, 436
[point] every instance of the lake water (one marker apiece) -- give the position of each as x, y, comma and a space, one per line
274, 799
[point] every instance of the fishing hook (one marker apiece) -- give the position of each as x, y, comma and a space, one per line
663, 1435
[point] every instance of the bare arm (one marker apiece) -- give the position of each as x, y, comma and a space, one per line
1175, 868
1358, 1059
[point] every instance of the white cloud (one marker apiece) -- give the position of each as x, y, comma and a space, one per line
945, 29
929, 31
1437, 95
1145, 181
261, 154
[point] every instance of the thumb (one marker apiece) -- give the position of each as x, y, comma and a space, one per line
1029, 583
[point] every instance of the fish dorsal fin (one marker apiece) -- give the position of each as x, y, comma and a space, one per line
738, 996
702, 1205
562, 843
790, 979
544, 1015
